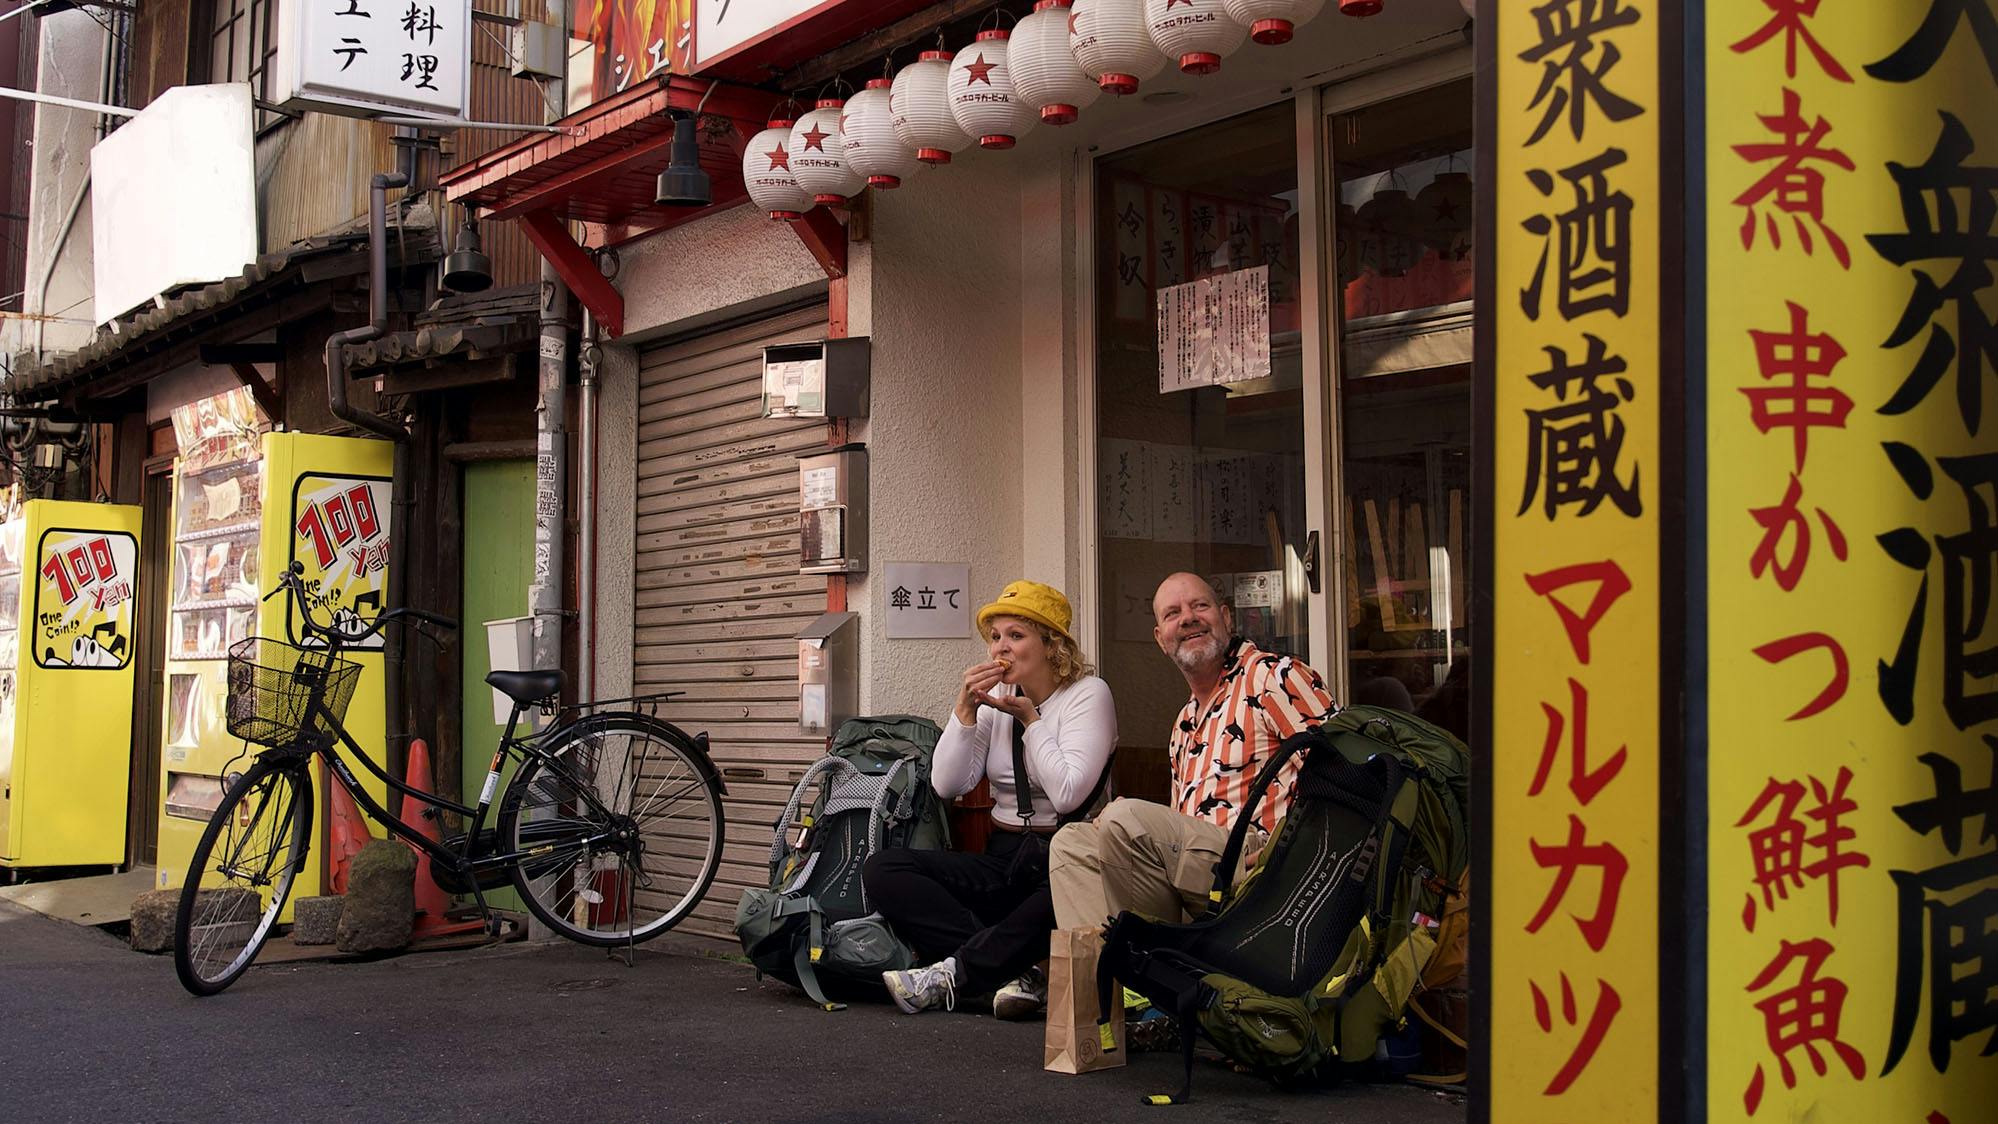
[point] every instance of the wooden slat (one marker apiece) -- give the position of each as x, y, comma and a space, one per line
718, 594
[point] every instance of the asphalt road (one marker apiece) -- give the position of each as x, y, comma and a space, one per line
92, 1031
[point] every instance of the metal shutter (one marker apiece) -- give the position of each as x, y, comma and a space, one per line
719, 596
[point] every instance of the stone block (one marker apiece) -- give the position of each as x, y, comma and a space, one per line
316, 920
154, 913
379, 910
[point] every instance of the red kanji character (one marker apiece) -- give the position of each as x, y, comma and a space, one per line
1582, 781
1612, 583
1608, 1003
1797, 356
1570, 857
1777, 849
1799, 190
1786, 520
1801, 1016
1789, 20
1777, 651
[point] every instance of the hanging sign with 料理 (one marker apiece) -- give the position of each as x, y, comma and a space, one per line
364, 57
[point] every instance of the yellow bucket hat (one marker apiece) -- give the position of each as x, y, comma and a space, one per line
1042, 604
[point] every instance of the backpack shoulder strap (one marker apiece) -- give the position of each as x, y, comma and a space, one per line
1231, 855
808, 951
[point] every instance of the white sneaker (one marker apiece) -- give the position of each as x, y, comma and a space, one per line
919, 989
1024, 998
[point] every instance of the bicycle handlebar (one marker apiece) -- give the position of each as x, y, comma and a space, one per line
289, 580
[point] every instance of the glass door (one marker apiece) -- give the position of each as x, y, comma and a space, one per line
1201, 437
1401, 195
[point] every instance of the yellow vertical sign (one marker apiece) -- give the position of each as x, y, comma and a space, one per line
1576, 400
1852, 882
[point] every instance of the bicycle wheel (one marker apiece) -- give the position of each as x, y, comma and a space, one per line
623, 819
241, 874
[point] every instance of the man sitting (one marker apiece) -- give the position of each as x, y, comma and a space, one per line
1157, 860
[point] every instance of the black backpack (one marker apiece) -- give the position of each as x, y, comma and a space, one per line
1305, 967
813, 927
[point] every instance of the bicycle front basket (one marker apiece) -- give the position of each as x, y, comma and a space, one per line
272, 684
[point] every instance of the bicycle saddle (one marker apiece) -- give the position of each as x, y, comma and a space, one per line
526, 687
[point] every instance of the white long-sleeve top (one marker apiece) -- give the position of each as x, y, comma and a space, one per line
1066, 752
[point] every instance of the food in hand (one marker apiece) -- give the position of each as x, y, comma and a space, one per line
1004, 663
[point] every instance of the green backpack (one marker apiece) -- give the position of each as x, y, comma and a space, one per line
1301, 971
813, 926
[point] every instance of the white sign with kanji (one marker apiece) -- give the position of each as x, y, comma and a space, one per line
360, 57
928, 600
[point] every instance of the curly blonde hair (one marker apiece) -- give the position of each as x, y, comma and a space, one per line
1064, 655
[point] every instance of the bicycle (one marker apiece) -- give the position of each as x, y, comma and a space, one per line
589, 831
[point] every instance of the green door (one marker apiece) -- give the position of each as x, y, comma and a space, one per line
499, 559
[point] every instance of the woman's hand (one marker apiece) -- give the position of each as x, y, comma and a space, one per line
1019, 706
979, 679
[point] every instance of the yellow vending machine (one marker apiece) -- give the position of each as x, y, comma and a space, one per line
246, 504
68, 603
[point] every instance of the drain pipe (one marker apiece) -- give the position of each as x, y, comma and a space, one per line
399, 497
586, 502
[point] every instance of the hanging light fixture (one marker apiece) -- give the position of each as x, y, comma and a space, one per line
766, 172
683, 183
919, 108
1109, 39
1391, 230
1046, 76
1272, 22
1196, 34
817, 159
867, 137
467, 269
981, 93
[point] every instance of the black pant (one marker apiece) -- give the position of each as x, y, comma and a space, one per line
993, 912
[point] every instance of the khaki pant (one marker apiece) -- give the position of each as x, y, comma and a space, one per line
1139, 856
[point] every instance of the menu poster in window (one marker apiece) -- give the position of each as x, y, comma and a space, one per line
928, 600
1133, 293
1175, 494
1126, 505
216, 430
1215, 330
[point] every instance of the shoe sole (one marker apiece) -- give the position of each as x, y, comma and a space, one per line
1018, 1010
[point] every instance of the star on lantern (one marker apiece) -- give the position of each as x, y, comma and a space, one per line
1446, 209
842, 122
980, 71
815, 139
780, 157
1170, 3
1072, 17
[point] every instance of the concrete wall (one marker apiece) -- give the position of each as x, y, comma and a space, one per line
71, 65
946, 453
617, 512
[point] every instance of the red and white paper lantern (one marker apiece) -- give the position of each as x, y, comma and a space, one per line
1194, 34
817, 159
1360, 8
981, 93
1274, 21
867, 136
766, 172
919, 107
1109, 38
1046, 76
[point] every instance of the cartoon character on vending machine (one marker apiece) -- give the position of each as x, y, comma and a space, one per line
94, 650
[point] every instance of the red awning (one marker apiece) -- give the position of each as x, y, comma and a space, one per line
602, 171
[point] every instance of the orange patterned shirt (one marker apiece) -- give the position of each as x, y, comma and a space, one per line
1263, 698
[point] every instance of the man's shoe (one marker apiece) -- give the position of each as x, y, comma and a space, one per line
1024, 998
919, 989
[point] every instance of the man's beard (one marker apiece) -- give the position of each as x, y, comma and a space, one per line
1198, 653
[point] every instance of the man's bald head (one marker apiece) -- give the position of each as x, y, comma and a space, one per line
1191, 625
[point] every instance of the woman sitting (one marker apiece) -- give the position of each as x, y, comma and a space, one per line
982, 921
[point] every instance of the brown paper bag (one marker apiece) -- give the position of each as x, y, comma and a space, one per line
1074, 1042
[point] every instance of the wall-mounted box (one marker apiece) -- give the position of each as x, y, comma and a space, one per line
816, 379
828, 672
832, 511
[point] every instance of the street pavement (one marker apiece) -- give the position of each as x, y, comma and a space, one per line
90, 1030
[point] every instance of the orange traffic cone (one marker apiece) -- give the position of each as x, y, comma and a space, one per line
433, 905
347, 833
